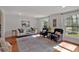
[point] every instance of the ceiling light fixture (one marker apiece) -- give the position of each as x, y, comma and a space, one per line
19, 13
63, 6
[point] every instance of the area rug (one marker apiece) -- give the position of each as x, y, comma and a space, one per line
35, 44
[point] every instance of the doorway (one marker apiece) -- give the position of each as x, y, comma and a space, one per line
2, 32
0, 24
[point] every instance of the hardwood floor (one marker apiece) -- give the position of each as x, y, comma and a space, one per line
32, 44
13, 42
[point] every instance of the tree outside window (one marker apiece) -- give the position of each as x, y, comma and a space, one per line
72, 25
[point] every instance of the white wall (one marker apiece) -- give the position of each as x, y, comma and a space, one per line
40, 21
38, 24
58, 18
13, 21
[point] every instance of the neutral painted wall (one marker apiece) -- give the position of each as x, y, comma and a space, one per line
40, 21
13, 21
58, 21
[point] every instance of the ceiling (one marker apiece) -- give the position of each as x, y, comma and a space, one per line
36, 11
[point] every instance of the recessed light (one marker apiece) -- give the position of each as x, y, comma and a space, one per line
19, 13
63, 6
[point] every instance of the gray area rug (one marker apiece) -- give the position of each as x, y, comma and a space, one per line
35, 44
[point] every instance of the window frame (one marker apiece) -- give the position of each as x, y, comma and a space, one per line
70, 23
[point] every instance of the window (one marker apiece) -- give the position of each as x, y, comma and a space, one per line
72, 25
44, 21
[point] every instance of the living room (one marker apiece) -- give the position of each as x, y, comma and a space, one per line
22, 21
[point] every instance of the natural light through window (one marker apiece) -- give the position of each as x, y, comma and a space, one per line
68, 46
35, 35
72, 25
60, 49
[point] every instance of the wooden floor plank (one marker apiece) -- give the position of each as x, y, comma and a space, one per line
13, 42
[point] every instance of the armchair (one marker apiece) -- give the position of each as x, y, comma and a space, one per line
57, 35
44, 32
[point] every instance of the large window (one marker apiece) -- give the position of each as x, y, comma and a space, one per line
44, 22
72, 24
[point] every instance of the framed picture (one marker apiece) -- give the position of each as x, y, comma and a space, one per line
25, 23
54, 22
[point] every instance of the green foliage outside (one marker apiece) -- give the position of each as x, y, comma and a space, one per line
72, 35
